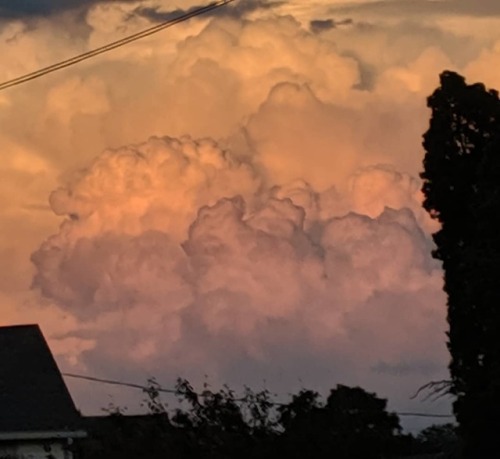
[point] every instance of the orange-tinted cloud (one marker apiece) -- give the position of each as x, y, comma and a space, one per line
276, 233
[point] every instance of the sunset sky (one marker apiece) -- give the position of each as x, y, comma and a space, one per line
236, 196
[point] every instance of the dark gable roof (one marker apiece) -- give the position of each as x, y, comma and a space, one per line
33, 395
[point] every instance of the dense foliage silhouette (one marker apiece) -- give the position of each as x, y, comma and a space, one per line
350, 423
462, 191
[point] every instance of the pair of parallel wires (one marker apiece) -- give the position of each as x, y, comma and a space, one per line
113, 45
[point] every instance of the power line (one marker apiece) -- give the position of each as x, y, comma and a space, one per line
118, 383
173, 391
425, 415
113, 45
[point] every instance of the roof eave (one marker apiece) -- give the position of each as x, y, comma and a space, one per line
43, 435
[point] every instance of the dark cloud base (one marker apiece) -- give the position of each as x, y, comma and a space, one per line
43, 8
237, 9
32, 8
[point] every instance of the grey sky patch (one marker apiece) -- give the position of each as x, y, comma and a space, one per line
407, 368
18, 9
237, 9
240, 8
28, 8
155, 14
322, 25
367, 73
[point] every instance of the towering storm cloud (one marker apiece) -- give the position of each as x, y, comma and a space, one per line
237, 196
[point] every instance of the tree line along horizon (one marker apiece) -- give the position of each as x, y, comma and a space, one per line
461, 187
350, 423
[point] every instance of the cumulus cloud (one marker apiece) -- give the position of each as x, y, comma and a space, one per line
248, 273
158, 184
270, 228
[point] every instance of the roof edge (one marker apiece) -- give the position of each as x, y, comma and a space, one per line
43, 435
26, 325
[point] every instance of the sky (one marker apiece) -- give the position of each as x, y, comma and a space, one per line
236, 198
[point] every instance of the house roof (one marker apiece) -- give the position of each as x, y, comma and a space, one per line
33, 395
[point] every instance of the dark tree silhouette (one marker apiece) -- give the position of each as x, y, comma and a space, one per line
439, 439
462, 191
351, 424
213, 426
361, 422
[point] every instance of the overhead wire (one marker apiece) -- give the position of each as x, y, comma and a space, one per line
113, 45
116, 383
160, 389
